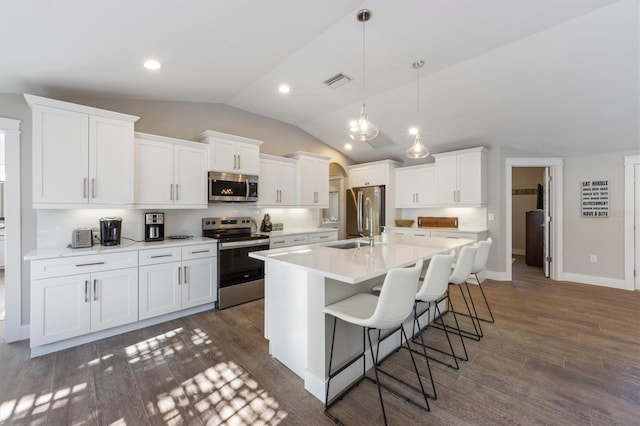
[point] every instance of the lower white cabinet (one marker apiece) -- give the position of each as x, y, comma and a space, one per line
171, 279
299, 239
70, 306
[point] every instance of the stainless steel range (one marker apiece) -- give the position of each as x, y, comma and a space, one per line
240, 278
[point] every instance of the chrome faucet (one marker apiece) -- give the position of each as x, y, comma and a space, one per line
369, 219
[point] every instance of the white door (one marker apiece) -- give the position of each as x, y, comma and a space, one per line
110, 161
426, 193
405, 188
223, 156
153, 172
447, 179
636, 221
114, 298
248, 160
60, 156
159, 289
60, 308
322, 185
307, 182
288, 184
469, 178
199, 279
190, 175
546, 202
269, 187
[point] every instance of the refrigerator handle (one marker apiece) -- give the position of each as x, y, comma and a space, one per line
359, 205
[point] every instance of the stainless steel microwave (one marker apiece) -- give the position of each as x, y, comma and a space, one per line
232, 187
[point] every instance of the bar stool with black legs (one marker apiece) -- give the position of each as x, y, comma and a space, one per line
458, 278
479, 265
434, 290
377, 313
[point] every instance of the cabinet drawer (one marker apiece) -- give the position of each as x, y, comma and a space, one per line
455, 234
199, 251
288, 241
160, 255
296, 240
323, 236
60, 267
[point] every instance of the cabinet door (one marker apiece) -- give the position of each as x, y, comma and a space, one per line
114, 298
425, 186
308, 182
159, 291
322, 185
223, 156
288, 185
470, 179
153, 172
358, 177
248, 159
269, 186
60, 308
110, 161
405, 188
447, 179
60, 156
190, 175
199, 285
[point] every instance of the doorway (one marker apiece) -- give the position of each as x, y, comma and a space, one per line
552, 199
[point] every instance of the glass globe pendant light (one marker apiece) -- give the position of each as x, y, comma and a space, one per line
417, 149
363, 129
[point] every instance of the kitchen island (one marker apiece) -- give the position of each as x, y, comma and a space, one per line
300, 281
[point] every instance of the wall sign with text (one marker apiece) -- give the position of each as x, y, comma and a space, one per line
595, 198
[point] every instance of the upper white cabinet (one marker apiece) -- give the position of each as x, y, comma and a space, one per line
170, 173
277, 182
461, 177
232, 154
416, 186
313, 179
371, 174
82, 156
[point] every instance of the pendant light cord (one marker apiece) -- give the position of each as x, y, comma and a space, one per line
364, 52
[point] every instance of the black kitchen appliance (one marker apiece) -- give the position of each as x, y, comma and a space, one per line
110, 230
154, 226
232, 187
240, 278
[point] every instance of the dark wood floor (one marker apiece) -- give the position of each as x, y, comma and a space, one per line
559, 353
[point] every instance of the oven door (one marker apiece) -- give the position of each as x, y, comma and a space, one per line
235, 265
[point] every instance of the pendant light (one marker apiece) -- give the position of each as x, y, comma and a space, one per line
363, 129
417, 149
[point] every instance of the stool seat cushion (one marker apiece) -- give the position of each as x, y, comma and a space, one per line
356, 309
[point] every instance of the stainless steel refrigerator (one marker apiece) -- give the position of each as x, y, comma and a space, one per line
365, 205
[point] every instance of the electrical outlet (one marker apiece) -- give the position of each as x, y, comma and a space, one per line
491, 216
593, 258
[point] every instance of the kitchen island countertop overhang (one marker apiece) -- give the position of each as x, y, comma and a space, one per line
300, 281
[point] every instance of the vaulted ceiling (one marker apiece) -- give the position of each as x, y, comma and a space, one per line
552, 76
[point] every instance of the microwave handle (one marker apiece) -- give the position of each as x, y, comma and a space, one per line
246, 196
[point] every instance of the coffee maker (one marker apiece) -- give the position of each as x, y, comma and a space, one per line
110, 229
154, 226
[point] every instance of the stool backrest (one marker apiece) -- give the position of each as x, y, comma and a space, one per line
396, 299
464, 264
480, 262
436, 281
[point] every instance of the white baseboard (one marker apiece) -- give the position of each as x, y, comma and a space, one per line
519, 252
594, 280
498, 276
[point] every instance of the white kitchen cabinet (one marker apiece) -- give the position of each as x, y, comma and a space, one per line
323, 237
82, 156
2, 250
371, 174
313, 179
416, 186
66, 306
277, 182
461, 177
170, 173
232, 154
288, 240
174, 278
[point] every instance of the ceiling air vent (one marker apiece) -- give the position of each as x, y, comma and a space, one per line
337, 80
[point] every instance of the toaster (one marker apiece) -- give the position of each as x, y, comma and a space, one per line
81, 237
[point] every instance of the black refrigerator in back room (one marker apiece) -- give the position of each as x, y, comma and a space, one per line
359, 210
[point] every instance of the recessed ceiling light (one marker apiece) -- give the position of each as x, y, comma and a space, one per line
284, 88
348, 146
413, 131
152, 64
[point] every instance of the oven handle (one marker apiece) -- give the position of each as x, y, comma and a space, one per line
251, 243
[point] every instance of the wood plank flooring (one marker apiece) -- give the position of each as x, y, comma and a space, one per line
559, 353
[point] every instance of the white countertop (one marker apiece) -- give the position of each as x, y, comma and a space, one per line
125, 245
360, 264
286, 232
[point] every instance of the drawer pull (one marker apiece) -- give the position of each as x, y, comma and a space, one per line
185, 275
200, 251
301, 239
277, 242
179, 275
160, 255
326, 236
86, 290
89, 264
95, 290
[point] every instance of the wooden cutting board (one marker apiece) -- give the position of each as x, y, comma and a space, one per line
437, 222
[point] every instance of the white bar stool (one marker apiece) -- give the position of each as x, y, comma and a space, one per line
434, 289
386, 312
479, 265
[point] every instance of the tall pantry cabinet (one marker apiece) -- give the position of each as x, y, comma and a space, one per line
81, 155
